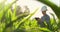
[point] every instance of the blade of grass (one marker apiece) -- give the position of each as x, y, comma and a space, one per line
28, 17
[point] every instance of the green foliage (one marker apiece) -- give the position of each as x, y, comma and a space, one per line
9, 22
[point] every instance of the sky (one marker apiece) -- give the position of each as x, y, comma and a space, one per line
33, 4
57, 2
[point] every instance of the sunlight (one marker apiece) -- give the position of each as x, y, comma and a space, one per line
33, 4
1, 1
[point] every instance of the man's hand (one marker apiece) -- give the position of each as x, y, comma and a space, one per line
38, 19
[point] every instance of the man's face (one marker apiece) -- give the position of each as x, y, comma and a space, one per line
44, 12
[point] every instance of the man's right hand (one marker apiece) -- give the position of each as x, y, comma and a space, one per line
38, 19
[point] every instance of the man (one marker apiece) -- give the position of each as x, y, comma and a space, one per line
44, 18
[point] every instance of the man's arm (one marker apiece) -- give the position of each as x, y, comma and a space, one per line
38, 19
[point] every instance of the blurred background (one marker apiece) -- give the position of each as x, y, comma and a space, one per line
33, 4
19, 15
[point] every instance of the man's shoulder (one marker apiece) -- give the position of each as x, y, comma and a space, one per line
45, 16
48, 16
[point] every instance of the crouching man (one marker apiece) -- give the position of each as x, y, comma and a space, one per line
44, 18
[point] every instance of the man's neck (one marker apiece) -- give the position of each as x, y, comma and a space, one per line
44, 14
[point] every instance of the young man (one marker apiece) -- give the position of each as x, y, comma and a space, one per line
45, 17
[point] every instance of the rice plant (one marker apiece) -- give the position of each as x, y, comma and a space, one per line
10, 22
